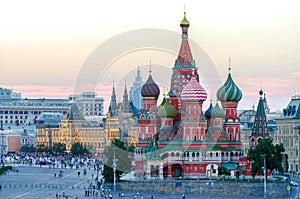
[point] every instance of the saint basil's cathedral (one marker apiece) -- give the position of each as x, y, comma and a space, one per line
177, 138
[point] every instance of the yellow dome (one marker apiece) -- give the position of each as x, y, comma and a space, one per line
184, 23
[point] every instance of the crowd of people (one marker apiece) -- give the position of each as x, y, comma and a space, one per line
51, 160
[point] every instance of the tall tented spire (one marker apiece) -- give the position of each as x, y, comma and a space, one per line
185, 58
125, 103
260, 126
113, 102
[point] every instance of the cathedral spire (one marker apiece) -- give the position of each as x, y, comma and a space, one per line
185, 58
260, 127
113, 102
125, 103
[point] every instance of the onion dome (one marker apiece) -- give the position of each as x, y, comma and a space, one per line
208, 111
166, 109
150, 88
217, 112
193, 91
184, 22
260, 92
229, 91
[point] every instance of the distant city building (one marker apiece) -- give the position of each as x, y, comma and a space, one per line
119, 120
3, 143
88, 103
135, 90
11, 140
14, 110
17, 110
54, 128
288, 133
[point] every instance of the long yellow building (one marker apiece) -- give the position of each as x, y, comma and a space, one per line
53, 128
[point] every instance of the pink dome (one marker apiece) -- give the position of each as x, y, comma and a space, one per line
193, 91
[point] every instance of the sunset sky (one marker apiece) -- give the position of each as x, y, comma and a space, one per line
44, 45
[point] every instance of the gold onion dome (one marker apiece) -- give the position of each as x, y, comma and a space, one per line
184, 22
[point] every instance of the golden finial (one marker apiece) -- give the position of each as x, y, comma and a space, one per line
150, 67
229, 65
184, 22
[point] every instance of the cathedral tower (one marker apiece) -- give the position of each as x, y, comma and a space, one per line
229, 95
182, 70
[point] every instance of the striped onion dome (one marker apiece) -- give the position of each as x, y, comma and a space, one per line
229, 91
150, 88
217, 112
193, 91
166, 109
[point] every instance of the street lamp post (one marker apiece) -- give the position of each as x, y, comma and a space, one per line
265, 173
114, 169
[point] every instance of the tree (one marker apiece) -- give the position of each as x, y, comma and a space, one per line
77, 149
272, 153
223, 171
124, 159
59, 147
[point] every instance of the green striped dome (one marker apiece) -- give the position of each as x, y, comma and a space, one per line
166, 109
229, 91
217, 112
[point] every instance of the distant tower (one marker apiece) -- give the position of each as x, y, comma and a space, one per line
260, 127
229, 95
182, 70
135, 91
113, 103
125, 103
266, 105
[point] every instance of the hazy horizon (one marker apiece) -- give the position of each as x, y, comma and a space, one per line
44, 45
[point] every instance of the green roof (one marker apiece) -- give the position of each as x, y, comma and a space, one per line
229, 166
152, 151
